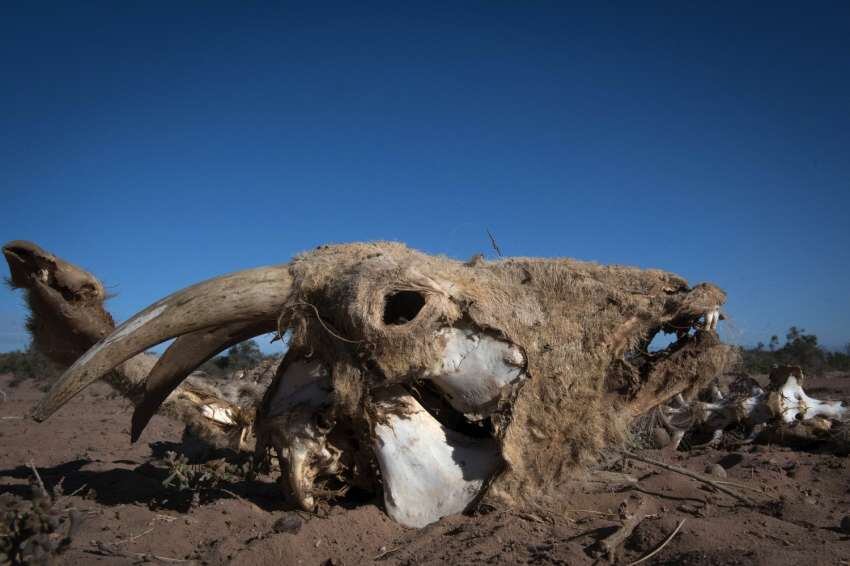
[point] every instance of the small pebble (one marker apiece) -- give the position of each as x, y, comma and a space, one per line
716, 470
660, 438
288, 523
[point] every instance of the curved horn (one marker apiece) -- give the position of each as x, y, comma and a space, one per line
250, 295
182, 357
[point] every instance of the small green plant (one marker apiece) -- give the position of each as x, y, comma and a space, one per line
184, 476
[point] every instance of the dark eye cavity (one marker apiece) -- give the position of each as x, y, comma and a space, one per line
401, 307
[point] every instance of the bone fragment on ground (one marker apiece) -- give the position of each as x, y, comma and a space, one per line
785, 402
795, 405
219, 414
475, 369
429, 471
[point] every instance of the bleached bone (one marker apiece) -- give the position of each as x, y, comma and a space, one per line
794, 405
303, 391
475, 369
785, 402
219, 414
429, 471
712, 317
303, 383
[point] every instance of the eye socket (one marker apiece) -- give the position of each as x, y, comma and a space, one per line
402, 306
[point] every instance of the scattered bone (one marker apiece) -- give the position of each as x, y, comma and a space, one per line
784, 404
792, 403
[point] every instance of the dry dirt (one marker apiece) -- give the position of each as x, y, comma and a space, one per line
131, 518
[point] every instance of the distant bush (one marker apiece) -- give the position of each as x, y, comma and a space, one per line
244, 355
27, 364
800, 349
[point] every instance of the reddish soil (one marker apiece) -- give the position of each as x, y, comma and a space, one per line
131, 518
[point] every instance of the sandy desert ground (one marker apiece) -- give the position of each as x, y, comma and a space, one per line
130, 517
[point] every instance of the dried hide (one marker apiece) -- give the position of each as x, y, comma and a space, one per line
376, 308
496, 378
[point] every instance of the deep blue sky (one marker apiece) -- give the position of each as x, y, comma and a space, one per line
161, 143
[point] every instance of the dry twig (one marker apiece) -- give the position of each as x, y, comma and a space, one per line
662, 545
132, 538
386, 553
38, 478
493, 243
685, 472
608, 546
103, 550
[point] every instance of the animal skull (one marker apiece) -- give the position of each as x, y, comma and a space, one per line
436, 380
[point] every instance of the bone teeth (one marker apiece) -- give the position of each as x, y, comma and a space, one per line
298, 475
711, 318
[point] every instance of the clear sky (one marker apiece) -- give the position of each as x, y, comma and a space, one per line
159, 143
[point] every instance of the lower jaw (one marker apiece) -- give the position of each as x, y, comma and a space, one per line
429, 471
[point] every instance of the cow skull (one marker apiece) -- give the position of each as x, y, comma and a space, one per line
436, 380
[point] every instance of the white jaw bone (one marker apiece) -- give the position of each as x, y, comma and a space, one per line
475, 370
428, 471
